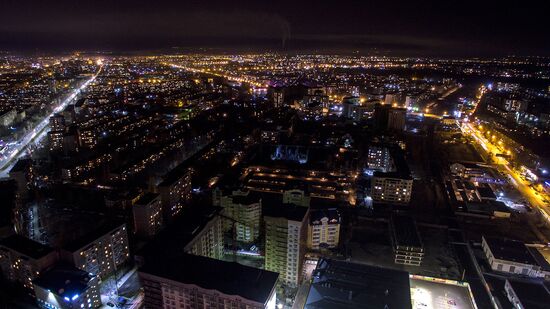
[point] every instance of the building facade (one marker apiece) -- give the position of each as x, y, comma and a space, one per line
285, 243
23, 259
323, 229
148, 215
107, 250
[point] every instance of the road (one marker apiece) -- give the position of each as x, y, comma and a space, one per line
39, 131
502, 165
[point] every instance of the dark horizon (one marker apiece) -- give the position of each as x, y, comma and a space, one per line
387, 28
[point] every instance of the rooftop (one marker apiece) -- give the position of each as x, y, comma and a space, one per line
229, 278
510, 250
532, 295
26, 246
342, 285
316, 215
65, 281
147, 198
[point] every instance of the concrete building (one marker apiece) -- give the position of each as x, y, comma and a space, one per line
394, 186
57, 123
175, 191
23, 259
406, 242
343, 285
147, 213
243, 211
389, 118
513, 257
323, 229
527, 294
297, 197
66, 287
285, 241
190, 281
101, 251
198, 231
379, 159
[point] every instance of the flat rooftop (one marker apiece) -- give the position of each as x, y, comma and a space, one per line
510, 250
343, 285
436, 293
26, 246
229, 278
532, 295
64, 280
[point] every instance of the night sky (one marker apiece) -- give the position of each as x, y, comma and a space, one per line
445, 27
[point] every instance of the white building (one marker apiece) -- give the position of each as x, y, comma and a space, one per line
286, 232
512, 257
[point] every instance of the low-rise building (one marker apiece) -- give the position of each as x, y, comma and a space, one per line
527, 295
66, 287
339, 284
512, 257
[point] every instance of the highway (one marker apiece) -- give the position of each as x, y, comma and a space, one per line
17, 150
228, 77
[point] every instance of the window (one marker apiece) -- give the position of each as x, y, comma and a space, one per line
499, 266
512, 269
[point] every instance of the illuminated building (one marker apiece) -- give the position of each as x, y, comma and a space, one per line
100, 252
87, 138
66, 287
379, 159
175, 191
147, 213
394, 186
513, 257
406, 242
323, 229
244, 213
23, 259
389, 118
285, 240
57, 123
56, 140
348, 106
190, 281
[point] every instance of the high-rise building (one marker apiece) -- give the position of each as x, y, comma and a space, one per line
323, 229
379, 159
189, 281
101, 251
87, 138
175, 191
394, 186
57, 123
56, 139
66, 287
198, 231
23, 259
147, 213
285, 241
389, 118
243, 211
